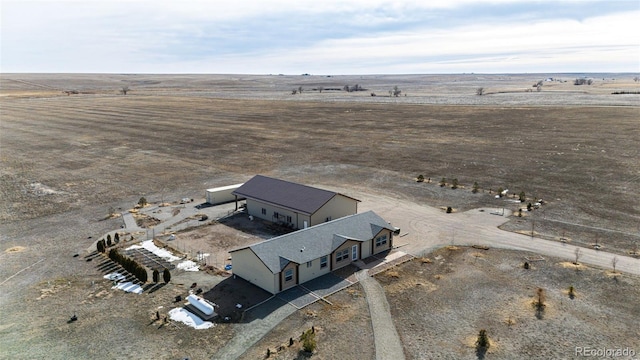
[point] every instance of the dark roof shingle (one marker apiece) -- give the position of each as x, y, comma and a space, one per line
302, 198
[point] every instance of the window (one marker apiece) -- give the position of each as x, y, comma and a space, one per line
381, 240
288, 275
264, 211
288, 218
323, 262
309, 264
276, 215
342, 255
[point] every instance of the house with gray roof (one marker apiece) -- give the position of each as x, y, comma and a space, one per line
291, 259
294, 205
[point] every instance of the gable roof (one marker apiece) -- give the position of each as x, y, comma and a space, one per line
316, 241
301, 198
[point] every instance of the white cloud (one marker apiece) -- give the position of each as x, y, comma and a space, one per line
330, 36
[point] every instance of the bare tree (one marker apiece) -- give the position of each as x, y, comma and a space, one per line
396, 91
294, 91
480, 91
636, 79
320, 88
577, 252
346, 88
124, 90
614, 262
300, 89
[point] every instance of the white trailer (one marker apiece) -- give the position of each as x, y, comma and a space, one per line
222, 194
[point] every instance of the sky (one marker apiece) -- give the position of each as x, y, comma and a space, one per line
322, 37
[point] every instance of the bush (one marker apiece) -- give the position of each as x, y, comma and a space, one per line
156, 276
309, 341
529, 207
454, 183
449, 209
500, 190
526, 265
483, 340
116, 238
142, 202
572, 292
475, 187
420, 178
166, 275
443, 182
522, 196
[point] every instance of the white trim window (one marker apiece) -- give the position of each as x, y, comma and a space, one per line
264, 211
309, 264
288, 275
342, 255
323, 262
381, 240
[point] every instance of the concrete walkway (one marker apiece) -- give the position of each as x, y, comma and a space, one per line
386, 339
267, 316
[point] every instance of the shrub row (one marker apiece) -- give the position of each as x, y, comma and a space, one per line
129, 264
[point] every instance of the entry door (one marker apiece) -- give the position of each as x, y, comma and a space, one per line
354, 252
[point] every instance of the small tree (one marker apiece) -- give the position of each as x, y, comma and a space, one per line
614, 262
522, 196
577, 253
480, 91
166, 275
541, 298
572, 292
116, 238
420, 178
100, 246
294, 91
500, 191
309, 341
483, 340
300, 89
142, 202
454, 183
529, 207
124, 90
396, 92
320, 88
443, 182
475, 187
449, 209
156, 276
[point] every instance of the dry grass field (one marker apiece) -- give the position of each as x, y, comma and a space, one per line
440, 306
66, 160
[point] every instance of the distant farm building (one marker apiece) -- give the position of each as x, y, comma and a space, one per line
293, 205
222, 194
285, 261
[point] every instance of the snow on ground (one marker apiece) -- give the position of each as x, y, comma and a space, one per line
189, 319
124, 286
114, 276
129, 287
149, 245
188, 265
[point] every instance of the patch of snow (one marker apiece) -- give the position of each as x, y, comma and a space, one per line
114, 276
149, 245
188, 265
189, 319
129, 287
40, 189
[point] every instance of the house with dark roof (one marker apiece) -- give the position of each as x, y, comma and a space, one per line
291, 259
295, 205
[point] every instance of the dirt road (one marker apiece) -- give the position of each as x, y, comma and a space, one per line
428, 228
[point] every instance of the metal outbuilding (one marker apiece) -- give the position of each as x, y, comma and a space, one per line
222, 194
